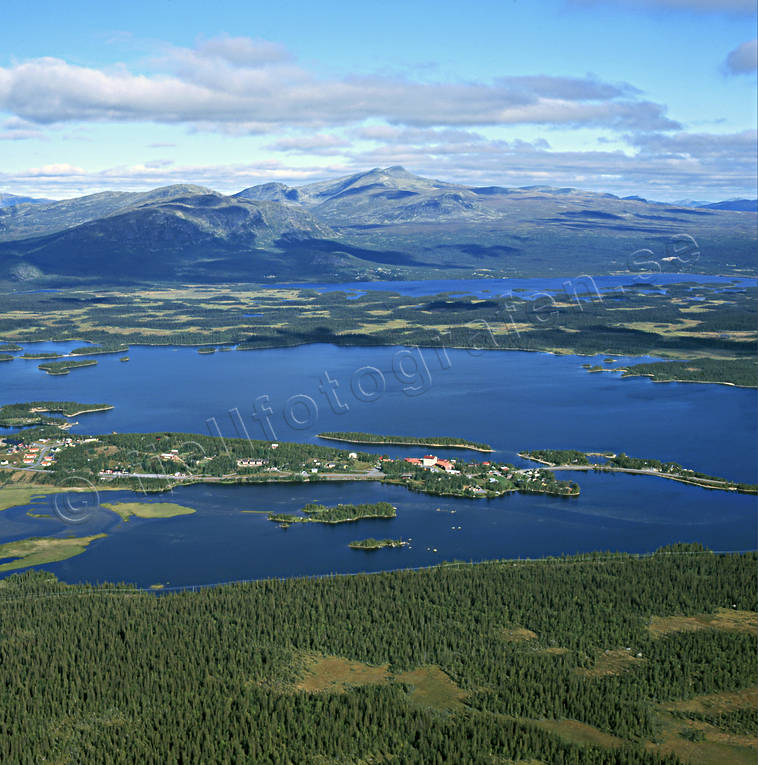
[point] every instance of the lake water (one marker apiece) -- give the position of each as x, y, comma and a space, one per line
512, 400
221, 543
490, 288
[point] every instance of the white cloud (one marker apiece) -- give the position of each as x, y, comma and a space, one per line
238, 85
744, 58
55, 171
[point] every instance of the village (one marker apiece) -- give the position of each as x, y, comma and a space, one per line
111, 460
487, 479
39, 454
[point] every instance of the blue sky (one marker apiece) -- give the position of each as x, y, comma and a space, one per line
650, 97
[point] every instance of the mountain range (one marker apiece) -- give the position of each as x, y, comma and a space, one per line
380, 224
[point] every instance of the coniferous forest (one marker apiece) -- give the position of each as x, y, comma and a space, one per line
112, 674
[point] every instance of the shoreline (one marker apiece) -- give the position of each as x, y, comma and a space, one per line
625, 376
547, 560
106, 408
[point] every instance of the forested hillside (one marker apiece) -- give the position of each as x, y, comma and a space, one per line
231, 674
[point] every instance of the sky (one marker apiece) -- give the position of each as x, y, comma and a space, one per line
649, 97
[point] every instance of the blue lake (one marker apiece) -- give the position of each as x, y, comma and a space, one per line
488, 288
220, 542
509, 399
512, 400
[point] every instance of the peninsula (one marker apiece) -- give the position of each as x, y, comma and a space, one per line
37, 551
570, 459
32, 412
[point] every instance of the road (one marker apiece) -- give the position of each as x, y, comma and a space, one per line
371, 475
705, 482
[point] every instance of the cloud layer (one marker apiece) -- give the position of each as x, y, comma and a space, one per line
314, 127
254, 86
656, 165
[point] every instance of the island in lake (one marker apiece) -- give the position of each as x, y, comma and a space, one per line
337, 514
63, 367
433, 441
376, 544
147, 509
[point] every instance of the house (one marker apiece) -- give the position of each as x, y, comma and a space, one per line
446, 465
249, 463
428, 460
353, 455
413, 460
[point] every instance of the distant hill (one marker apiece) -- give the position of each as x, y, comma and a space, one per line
742, 205
24, 220
380, 224
10, 200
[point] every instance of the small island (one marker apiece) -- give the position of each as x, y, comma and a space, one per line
6, 357
337, 514
205, 350
63, 367
376, 544
438, 441
147, 509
